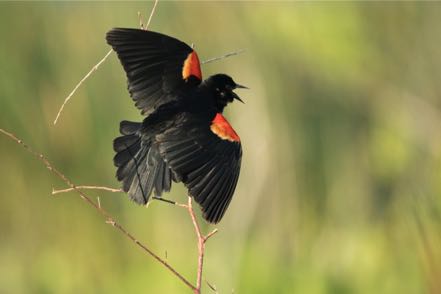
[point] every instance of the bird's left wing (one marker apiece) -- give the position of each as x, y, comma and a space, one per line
206, 157
158, 67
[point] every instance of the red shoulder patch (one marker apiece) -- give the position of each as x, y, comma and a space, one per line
222, 128
192, 67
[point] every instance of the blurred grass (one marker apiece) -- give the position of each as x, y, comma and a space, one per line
340, 184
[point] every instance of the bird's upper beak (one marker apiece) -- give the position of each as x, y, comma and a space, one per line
236, 96
241, 87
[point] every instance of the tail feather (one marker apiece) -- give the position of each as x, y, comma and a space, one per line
129, 127
141, 168
167, 179
159, 179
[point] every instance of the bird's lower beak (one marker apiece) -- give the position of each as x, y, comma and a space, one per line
237, 97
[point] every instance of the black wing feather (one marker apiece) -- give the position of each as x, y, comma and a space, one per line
153, 63
208, 165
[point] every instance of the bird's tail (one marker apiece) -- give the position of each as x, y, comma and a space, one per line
141, 168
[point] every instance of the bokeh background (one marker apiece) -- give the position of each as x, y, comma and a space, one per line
341, 131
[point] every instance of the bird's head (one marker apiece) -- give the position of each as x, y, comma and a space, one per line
223, 87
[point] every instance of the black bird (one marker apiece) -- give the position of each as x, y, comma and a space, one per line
184, 136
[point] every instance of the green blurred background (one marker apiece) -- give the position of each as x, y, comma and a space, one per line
341, 131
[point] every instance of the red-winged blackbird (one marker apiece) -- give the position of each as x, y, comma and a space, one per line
184, 137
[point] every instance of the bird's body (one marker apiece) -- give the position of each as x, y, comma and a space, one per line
184, 136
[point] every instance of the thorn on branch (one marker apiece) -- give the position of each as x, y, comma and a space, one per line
212, 287
110, 222
141, 21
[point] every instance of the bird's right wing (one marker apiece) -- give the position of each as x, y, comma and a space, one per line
206, 157
158, 67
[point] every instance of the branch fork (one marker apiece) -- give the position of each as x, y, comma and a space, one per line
201, 239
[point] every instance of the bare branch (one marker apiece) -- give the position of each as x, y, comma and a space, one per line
79, 84
224, 56
109, 219
94, 68
113, 190
151, 14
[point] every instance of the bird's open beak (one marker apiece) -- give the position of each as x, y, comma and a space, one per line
235, 95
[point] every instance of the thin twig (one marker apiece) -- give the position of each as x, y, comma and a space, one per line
151, 14
94, 68
113, 190
223, 56
79, 84
210, 235
212, 287
103, 212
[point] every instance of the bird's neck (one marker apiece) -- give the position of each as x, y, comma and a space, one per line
219, 100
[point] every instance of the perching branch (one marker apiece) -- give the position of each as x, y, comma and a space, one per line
201, 244
109, 219
189, 206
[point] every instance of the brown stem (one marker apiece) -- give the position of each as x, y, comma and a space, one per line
109, 219
95, 67
201, 245
189, 206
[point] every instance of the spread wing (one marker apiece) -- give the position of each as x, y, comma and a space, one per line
158, 67
207, 162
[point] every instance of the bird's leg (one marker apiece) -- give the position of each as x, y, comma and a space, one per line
169, 201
